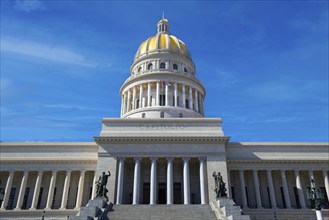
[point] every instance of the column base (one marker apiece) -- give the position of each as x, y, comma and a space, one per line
16, 209
62, 208
47, 208
32, 209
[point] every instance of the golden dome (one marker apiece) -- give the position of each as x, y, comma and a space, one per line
163, 42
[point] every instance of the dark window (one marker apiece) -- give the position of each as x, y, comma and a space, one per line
54, 197
162, 115
187, 103
162, 100
175, 67
139, 69
180, 115
143, 115
297, 197
162, 66
282, 196
40, 197
137, 103
233, 193
185, 70
247, 195
11, 198
26, 196
269, 196
150, 66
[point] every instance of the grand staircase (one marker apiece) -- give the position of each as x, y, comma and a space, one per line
161, 212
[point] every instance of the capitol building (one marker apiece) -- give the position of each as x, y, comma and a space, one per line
162, 153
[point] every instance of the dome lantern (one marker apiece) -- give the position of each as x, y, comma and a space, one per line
163, 26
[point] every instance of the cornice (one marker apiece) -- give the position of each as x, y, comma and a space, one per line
20, 162
158, 154
276, 161
162, 139
190, 121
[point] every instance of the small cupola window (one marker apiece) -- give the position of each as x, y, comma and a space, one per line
175, 67
150, 66
162, 65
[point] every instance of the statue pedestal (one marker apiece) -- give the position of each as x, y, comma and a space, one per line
97, 207
225, 208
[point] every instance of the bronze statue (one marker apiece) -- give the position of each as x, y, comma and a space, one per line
101, 185
220, 188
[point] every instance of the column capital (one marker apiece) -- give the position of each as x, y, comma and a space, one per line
121, 158
169, 159
153, 158
137, 159
202, 158
185, 158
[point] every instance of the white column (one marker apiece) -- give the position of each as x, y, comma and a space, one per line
201, 104
66, 189
93, 193
122, 100
80, 189
128, 101
137, 173
120, 180
271, 189
196, 100
51, 190
326, 181
148, 94
36, 191
134, 98
183, 96
167, 98
202, 180
190, 98
285, 189
186, 180
300, 190
157, 94
22, 190
175, 94
170, 177
243, 189
7, 190
257, 191
153, 180
124, 103
140, 96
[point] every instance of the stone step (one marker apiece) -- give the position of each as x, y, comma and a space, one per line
161, 212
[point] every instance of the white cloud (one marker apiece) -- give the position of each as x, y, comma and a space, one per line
68, 106
28, 5
45, 51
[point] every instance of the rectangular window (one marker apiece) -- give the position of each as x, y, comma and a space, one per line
187, 103
282, 196
40, 197
11, 198
26, 196
162, 100
297, 197
137, 104
247, 195
233, 193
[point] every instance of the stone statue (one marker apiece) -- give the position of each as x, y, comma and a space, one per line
220, 188
101, 190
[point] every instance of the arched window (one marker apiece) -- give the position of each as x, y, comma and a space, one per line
139, 69
150, 66
185, 70
143, 115
175, 67
162, 66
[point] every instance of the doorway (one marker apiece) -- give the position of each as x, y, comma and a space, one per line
162, 193
177, 193
146, 193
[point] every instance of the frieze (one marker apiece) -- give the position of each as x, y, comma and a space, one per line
162, 126
158, 155
162, 139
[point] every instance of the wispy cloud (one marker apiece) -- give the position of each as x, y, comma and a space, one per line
29, 5
45, 51
68, 106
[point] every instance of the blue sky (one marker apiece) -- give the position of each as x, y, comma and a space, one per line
264, 64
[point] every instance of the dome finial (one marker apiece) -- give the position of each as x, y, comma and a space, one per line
163, 25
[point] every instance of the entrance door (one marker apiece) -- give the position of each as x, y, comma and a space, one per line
162, 193
177, 193
146, 193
